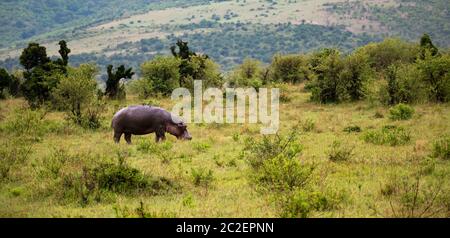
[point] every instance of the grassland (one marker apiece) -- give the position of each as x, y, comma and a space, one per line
33, 187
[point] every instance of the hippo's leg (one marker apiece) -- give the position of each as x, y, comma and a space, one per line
128, 138
117, 136
160, 135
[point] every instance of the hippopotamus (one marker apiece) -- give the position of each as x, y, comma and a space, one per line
143, 119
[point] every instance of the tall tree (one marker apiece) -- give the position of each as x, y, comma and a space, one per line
427, 47
186, 68
64, 52
42, 74
34, 55
113, 89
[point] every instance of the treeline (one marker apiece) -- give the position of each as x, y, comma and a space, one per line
228, 44
389, 72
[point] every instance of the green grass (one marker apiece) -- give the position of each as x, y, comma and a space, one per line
210, 176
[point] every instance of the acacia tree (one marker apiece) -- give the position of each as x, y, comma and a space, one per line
64, 52
192, 65
427, 47
76, 94
42, 74
113, 87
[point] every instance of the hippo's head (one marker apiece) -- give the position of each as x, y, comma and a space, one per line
179, 130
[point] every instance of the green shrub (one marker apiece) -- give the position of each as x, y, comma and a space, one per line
388, 135
441, 148
415, 196
283, 173
404, 85
119, 178
258, 151
401, 112
350, 129
301, 203
338, 152
201, 146
308, 125
202, 176
435, 73
162, 73
96, 181
26, 123
142, 87
13, 154
290, 69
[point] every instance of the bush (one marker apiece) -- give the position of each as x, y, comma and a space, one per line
27, 124
308, 125
258, 151
301, 203
76, 94
283, 173
355, 73
162, 74
388, 135
119, 178
338, 152
401, 112
435, 73
201, 146
327, 67
142, 87
290, 69
247, 74
390, 51
12, 154
350, 129
83, 178
441, 148
403, 85
415, 196
202, 176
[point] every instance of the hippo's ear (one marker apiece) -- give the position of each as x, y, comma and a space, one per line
182, 125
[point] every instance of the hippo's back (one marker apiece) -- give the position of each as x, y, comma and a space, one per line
139, 118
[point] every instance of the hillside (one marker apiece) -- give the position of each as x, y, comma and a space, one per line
229, 31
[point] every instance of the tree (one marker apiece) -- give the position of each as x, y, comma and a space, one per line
40, 81
42, 74
34, 55
426, 45
5, 80
290, 68
388, 52
64, 52
328, 67
162, 73
76, 94
435, 72
355, 73
247, 74
113, 87
189, 70
404, 84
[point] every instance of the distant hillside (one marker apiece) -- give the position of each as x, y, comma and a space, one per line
132, 31
24, 19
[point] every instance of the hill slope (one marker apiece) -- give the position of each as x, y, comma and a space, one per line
132, 31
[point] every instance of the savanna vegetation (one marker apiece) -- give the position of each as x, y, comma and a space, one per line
362, 134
